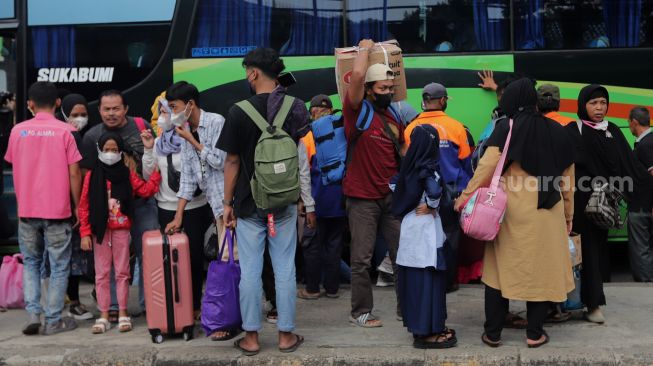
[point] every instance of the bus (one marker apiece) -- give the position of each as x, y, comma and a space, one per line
141, 47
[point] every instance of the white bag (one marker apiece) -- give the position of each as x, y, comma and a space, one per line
419, 240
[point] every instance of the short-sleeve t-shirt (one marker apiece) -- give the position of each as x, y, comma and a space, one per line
374, 158
644, 153
41, 149
239, 136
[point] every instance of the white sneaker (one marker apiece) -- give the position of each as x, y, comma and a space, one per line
385, 266
384, 280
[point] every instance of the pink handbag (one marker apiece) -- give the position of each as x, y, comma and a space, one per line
11, 282
483, 212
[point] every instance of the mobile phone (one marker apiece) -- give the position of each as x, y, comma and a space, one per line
286, 79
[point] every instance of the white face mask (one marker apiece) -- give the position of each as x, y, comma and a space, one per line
79, 122
109, 158
164, 122
178, 119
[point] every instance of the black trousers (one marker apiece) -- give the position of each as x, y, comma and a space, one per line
596, 262
322, 249
496, 309
195, 224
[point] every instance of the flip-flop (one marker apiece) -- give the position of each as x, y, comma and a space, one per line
293, 348
514, 321
245, 351
490, 342
305, 295
230, 334
536, 345
557, 317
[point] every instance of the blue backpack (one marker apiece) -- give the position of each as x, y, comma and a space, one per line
330, 148
332, 155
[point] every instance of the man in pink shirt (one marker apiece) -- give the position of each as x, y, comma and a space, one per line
46, 176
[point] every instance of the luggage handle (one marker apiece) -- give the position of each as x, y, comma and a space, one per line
229, 238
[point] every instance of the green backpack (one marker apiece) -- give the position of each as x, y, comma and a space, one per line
275, 182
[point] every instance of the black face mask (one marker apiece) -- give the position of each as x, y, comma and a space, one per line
382, 101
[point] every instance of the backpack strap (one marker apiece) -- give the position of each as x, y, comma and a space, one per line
140, 123
253, 114
282, 114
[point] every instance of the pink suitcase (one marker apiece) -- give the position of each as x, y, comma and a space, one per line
168, 286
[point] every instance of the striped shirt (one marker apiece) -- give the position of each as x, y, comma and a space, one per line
204, 168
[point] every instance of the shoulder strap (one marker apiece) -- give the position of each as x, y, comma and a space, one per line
252, 113
502, 161
391, 135
140, 123
280, 118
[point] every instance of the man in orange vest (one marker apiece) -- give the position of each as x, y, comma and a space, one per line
548, 102
455, 164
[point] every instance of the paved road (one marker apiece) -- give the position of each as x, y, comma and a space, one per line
626, 338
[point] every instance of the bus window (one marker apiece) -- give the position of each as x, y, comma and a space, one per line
427, 26
233, 27
584, 24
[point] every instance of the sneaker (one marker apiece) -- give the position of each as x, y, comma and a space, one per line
385, 266
79, 311
384, 280
66, 324
32, 325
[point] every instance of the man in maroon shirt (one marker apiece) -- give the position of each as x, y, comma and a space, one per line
374, 160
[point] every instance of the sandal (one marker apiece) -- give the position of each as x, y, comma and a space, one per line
229, 334
556, 316
514, 321
101, 326
272, 316
113, 316
539, 343
441, 341
489, 342
124, 324
293, 348
364, 321
304, 294
245, 352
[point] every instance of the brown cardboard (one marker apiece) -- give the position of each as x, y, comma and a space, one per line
578, 259
382, 53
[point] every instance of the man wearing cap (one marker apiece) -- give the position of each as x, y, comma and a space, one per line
320, 106
455, 164
374, 161
548, 103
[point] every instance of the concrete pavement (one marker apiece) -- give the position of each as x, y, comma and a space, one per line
626, 338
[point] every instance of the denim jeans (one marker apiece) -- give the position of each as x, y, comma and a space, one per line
146, 218
252, 232
57, 243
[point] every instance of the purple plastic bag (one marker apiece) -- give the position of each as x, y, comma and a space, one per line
221, 302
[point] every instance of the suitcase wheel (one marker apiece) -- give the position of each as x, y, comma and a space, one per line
158, 339
187, 336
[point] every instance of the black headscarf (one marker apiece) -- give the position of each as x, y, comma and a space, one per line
121, 190
420, 162
604, 153
540, 145
70, 101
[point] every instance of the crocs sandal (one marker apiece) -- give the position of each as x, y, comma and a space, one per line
299, 341
101, 326
124, 324
364, 321
245, 351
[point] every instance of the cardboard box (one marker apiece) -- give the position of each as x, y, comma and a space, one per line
578, 259
385, 52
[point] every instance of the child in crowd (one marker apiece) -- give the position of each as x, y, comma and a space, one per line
422, 279
106, 214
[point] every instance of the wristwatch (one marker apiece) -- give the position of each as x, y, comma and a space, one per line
228, 203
